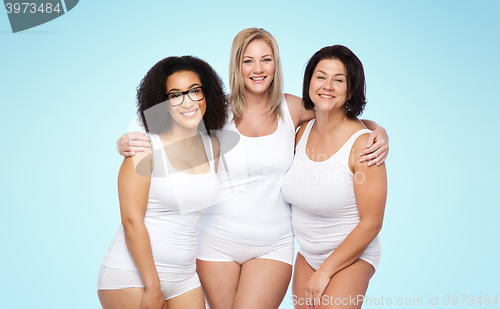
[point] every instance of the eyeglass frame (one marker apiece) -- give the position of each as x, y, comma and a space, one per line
184, 93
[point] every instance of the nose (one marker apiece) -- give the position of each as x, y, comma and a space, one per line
257, 68
187, 103
328, 85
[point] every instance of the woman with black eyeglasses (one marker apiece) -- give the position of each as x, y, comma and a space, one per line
165, 190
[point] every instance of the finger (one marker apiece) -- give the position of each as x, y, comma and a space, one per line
380, 143
382, 160
311, 297
317, 300
136, 143
128, 154
374, 160
135, 149
136, 135
134, 139
371, 156
379, 160
372, 138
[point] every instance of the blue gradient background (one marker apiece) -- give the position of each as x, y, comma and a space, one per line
68, 92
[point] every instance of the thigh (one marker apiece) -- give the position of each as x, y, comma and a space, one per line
192, 299
263, 284
301, 274
219, 281
347, 288
129, 298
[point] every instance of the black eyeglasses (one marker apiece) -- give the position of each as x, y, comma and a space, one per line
176, 98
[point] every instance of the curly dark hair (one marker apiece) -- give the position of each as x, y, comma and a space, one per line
152, 89
355, 77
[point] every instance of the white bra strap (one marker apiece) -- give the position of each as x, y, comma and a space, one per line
207, 143
301, 146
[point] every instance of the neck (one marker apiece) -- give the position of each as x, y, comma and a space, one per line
178, 133
256, 102
328, 123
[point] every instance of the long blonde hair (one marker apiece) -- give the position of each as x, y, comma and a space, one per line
236, 84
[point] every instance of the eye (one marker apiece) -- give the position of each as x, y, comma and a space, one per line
339, 80
267, 60
174, 95
320, 77
247, 61
195, 91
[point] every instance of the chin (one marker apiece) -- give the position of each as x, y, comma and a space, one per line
258, 89
193, 124
322, 107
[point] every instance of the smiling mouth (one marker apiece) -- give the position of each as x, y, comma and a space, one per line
257, 79
326, 96
190, 113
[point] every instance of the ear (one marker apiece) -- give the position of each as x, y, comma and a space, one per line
349, 97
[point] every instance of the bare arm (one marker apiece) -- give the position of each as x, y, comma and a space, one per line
133, 191
296, 107
370, 197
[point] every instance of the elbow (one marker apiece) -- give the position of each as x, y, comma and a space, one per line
130, 224
372, 227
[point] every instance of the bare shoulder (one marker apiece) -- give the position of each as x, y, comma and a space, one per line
360, 143
293, 100
143, 162
354, 163
295, 107
298, 111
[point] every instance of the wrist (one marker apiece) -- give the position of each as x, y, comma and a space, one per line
154, 285
325, 272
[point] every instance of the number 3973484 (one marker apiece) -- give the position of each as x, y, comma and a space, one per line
27, 8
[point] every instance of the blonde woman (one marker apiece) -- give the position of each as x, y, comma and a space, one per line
245, 250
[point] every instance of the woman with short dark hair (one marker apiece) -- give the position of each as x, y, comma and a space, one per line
337, 202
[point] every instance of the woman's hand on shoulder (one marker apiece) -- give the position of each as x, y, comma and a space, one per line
377, 147
132, 142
